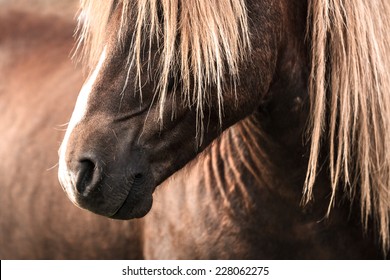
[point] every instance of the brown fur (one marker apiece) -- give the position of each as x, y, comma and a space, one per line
239, 193
349, 79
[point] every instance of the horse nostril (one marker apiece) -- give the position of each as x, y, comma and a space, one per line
85, 175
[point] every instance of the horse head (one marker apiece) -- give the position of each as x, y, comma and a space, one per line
149, 106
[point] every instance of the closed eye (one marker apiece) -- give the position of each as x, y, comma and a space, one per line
171, 84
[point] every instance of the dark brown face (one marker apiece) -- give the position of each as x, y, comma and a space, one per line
116, 152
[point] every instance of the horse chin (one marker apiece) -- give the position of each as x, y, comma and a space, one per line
134, 206
131, 211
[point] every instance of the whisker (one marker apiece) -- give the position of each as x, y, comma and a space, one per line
53, 167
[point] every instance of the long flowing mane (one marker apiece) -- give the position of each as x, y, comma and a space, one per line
350, 102
211, 43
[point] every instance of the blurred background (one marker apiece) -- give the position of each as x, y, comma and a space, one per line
38, 88
64, 8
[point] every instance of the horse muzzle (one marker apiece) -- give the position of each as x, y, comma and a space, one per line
119, 189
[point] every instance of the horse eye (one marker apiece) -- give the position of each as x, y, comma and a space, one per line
171, 84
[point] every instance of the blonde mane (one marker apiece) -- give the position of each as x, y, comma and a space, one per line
203, 44
350, 102
349, 82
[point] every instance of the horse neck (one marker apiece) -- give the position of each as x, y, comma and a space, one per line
263, 154
241, 194
240, 169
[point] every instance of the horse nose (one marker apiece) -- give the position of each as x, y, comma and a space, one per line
87, 175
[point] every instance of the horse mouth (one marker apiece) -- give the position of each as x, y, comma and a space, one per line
138, 201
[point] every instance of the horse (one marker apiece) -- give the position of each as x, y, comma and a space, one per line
235, 129
38, 85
